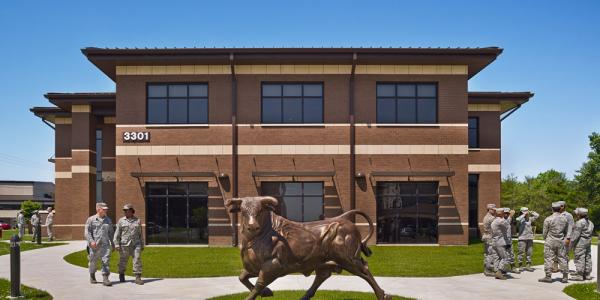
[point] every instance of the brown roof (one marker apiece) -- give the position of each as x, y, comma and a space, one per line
106, 59
507, 100
102, 102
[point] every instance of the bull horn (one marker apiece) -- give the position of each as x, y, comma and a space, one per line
269, 202
233, 204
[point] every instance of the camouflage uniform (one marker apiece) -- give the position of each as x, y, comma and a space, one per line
525, 237
500, 242
128, 238
555, 232
582, 241
21, 225
35, 221
489, 255
510, 252
99, 230
50, 225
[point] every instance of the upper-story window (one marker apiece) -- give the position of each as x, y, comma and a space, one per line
473, 132
408, 103
177, 103
292, 103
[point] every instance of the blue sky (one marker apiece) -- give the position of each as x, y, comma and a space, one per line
551, 49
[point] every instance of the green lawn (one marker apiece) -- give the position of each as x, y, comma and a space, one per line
7, 234
320, 295
5, 247
403, 261
27, 292
582, 291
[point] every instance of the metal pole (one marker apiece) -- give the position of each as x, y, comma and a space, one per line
15, 267
598, 269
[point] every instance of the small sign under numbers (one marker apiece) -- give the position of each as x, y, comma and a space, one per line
136, 137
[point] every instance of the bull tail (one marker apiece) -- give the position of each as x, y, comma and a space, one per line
363, 243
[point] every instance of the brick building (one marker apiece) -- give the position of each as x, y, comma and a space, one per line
393, 132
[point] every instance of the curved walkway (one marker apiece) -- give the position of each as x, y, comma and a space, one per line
45, 269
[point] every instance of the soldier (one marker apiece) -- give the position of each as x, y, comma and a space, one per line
50, 223
99, 235
508, 214
21, 224
525, 245
128, 240
489, 256
35, 222
555, 233
500, 242
570, 224
582, 245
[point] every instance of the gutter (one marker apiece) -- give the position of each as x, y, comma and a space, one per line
510, 112
234, 148
48, 123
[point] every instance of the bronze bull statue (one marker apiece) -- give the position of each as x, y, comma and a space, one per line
273, 246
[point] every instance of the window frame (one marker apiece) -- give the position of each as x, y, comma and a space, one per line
280, 197
99, 144
478, 142
416, 97
302, 97
187, 84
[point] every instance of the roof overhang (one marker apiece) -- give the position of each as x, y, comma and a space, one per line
108, 59
103, 104
507, 100
49, 113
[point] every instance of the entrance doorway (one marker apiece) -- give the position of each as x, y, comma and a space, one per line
407, 212
177, 213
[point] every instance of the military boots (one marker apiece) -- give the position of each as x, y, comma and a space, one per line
577, 277
565, 278
121, 277
515, 270
489, 273
105, 281
138, 279
500, 276
546, 279
529, 268
93, 278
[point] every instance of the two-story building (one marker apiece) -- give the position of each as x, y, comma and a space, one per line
393, 132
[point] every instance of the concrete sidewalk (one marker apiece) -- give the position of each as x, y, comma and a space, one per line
45, 269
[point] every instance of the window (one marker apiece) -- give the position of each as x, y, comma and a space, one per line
407, 103
99, 165
473, 132
177, 104
407, 212
473, 200
177, 213
292, 103
298, 201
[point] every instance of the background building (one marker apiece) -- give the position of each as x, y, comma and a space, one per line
13, 193
392, 132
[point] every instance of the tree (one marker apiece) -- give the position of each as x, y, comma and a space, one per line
29, 207
588, 179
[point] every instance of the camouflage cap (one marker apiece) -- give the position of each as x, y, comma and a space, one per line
582, 211
556, 205
101, 205
500, 209
524, 209
127, 206
491, 206
506, 209
562, 203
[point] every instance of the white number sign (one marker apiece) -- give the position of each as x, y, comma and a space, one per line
136, 137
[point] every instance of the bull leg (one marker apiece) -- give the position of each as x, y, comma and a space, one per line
264, 279
245, 280
360, 269
322, 273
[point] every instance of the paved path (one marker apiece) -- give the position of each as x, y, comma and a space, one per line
45, 269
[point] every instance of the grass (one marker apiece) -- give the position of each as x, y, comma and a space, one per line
320, 295
5, 247
401, 261
26, 292
582, 291
7, 234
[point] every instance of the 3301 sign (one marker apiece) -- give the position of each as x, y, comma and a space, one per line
136, 137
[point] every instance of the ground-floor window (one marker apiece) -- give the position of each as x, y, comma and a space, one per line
177, 213
473, 200
407, 212
298, 201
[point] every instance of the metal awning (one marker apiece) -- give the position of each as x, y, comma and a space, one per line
172, 174
414, 173
293, 173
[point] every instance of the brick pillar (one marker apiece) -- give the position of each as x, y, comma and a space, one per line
83, 167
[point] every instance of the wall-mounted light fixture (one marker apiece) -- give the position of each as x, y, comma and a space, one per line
223, 176
359, 175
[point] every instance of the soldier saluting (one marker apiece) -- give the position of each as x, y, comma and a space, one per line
99, 235
128, 240
582, 241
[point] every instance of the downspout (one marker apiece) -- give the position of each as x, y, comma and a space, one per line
510, 112
48, 123
234, 148
352, 137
